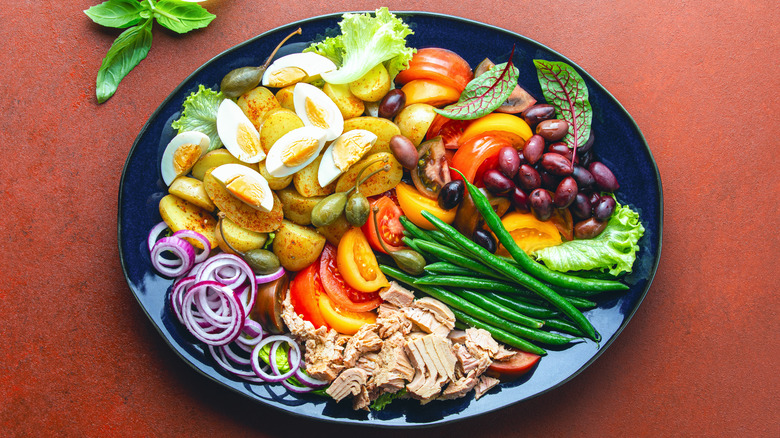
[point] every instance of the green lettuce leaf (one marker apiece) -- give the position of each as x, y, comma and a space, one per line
200, 114
364, 43
385, 399
614, 249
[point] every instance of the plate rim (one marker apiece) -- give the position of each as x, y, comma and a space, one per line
370, 422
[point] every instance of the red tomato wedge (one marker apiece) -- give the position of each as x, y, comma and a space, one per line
450, 130
477, 155
305, 291
390, 229
342, 294
518, 365
441, 65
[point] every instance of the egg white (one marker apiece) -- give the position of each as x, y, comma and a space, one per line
167, 168
333, 119
273, 162
229, 117
227, 172
329, 171
311, 63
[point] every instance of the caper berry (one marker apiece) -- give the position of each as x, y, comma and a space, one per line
357, 209
262, 261
328, 210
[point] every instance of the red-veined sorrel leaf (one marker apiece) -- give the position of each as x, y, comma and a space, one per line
564, 89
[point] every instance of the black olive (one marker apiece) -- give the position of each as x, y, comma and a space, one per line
451, 194
485, 240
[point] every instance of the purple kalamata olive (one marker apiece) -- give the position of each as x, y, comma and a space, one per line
565, 193
541, 204
537, 113
562, 149
496, 182
588, 144
528, 178
581, 208
533, 149
553, 129
583, 177
603, 210
557, 164
404, 151
508, 161
589, 228
605, 179
520, 200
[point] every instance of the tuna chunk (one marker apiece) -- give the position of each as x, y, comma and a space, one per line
431, 316
365, 340
350, 382
394, 368
397, 295
460, 387
468, 362
322, 357
434, 363
480, 340
484, 385
390, 320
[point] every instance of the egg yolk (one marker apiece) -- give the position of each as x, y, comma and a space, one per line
185, 157
247, 140
348, 150
317, 116
286, 76
298, 151
245, 189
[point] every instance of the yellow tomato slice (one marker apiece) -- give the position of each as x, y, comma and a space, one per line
357, 262
413, 203
509, 126
343, 321
430, 92
530, 233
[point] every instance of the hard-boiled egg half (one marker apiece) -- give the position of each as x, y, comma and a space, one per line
345, 151
181, 154
295, 150
315, 108
245, 184
238, 133
296, 67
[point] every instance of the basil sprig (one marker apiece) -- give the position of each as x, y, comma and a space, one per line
132, 45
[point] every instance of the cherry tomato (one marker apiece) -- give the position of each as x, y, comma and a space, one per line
305, 292
477, 155
357, 263
518, 365
390, 229
450, 130
342, 294
441, 65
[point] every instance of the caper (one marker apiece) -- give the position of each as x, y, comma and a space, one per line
243, 79
328, 210
262, 261
357, 209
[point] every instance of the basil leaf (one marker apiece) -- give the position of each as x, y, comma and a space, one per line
129, 48
180, 16
116, 13
484, 94
565, 89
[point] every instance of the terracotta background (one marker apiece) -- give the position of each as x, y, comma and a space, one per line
699, 357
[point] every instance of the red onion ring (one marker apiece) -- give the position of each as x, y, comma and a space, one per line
215, 334
200, 238
180, 248
267, 278
223, 360
177, 295
154, 233
276, 377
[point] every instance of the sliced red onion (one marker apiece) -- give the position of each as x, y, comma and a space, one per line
177, 295
215, 334
267, 278
220, 356
155, 233
180, 248
200, 238
295, 388
300, 373
254, 332
276, 377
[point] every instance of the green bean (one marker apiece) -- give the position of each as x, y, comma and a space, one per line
447, 268
441, 238
411, 244
562, 326
529, 265
415, 231
442, 252
472, 283
457, 303
492, 306
499, 334
521, 277
521, 306
580, 303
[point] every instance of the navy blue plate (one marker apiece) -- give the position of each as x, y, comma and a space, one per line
619, 144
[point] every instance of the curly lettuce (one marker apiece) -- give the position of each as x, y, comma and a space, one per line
613, 250
200, 114
365, 42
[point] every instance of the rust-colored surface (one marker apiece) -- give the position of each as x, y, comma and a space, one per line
699, 358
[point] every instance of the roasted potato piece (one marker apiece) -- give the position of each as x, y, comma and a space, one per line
297, 208
191, 190
182, 215
335, 231
383, 129
373, 86
285, 97
273, 182
414, 121
240, 238
277, 122
307, 184
239, 212
214, 159
349, 105
256, 103
297, 246
379, 183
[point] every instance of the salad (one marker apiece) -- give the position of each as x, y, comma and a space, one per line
370, 221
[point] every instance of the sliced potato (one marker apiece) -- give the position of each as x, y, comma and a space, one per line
373, 86
296, 207
414, 121
379, 183
239, 238
182, 215
285, 97
349, 105
214, 159
335, 231
256, 103
307, 184
383, 129
278, 122
297, 246
239, 212
273, 182
191, 190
